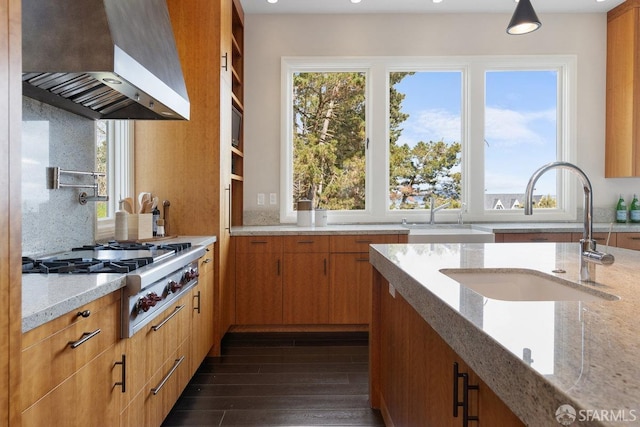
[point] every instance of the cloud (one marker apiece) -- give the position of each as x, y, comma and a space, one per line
504, 128
508, 128
431, 125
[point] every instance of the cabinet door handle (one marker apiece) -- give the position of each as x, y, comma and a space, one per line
325, 266
157, 389
161, 324
278, 267
198, 307
85, 337
538, 239
465, 396
123, 383
228, 224
207, 261
225, 65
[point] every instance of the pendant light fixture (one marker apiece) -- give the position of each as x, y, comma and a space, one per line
524, 19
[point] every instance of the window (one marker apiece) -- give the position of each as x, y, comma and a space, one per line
465, 132
114, 156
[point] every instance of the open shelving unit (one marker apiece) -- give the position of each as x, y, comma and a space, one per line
237, 101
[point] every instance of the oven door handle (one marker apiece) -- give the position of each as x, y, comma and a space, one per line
161, 324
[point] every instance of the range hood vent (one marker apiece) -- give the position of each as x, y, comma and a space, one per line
103, 59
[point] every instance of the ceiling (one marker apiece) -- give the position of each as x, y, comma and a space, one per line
424, 6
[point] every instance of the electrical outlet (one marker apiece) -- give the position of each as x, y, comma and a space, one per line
273, 198
260, 199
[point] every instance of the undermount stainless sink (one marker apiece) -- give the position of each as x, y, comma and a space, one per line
518, 284
447, 233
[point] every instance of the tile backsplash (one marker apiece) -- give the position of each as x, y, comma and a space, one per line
53, 220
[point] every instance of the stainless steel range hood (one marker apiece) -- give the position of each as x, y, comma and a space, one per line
103, 59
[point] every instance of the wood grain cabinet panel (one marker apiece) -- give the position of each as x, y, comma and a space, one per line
258, 270
533, 237
411, 370
622, 135
628, 241
306, 280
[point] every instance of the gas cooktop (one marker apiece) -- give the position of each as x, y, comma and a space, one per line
111, 257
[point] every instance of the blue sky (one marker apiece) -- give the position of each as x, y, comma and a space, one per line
520, 122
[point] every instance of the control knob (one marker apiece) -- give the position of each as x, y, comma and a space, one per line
147, 301
174, 286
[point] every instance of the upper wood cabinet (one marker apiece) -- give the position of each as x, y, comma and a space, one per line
622, 154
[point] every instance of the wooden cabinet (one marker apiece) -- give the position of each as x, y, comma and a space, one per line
202, 311
350, 285
258, 269
412, 371
306, 280
69, 370
206, 200
159, 361
622, 144
628, 241
533, 237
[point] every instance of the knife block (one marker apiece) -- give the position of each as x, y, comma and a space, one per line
140, 226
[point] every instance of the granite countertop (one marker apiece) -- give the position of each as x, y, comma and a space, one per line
585, 354
48, 296
396, 228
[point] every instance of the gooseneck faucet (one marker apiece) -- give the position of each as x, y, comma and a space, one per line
433, 209
589, 256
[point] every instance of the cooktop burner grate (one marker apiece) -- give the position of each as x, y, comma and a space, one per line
83, 265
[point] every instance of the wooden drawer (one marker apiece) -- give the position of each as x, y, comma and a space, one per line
258, 244
302, 244
533, 237
600, 238
48, 357
629, 241
360, 242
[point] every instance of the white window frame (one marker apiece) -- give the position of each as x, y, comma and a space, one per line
120, 173
473, 70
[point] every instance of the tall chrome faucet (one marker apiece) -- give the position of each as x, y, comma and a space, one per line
589, 256
433, 209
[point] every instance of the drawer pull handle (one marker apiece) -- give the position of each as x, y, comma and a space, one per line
197, 308
465, 396
538, 239
634, 238
259, 242
157, 389
85, 313
123, 383
305, 242
207, 261
161, 324
362, 260
85, 337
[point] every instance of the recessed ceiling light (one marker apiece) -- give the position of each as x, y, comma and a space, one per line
355, 1
272, 1
437, 1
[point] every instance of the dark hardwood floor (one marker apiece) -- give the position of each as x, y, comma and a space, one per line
281, 379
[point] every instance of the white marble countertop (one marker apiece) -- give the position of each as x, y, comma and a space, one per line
293, 229
48, 296
585, 354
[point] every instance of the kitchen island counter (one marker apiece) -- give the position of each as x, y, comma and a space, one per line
535, 355
48, 296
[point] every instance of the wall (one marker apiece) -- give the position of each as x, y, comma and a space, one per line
269, 37
53, 220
